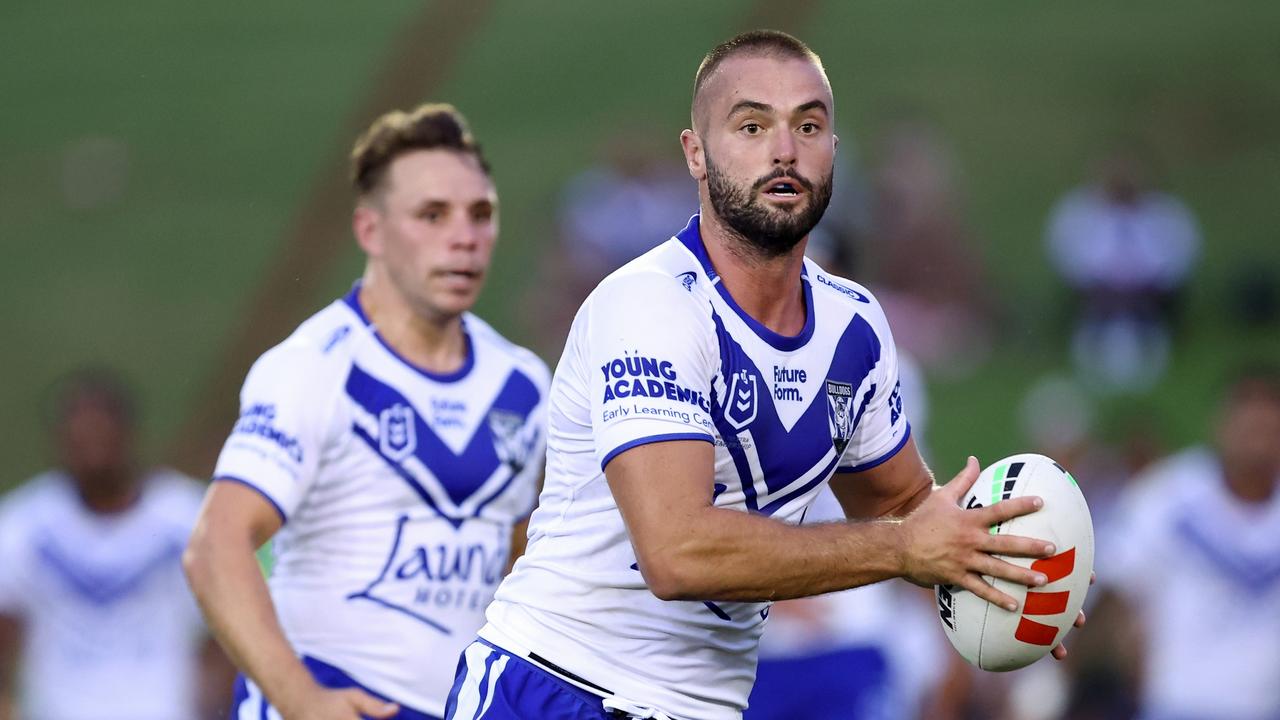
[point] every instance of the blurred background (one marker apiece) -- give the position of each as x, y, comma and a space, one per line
1069, 211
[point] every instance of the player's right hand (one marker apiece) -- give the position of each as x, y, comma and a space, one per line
345, 704
945, 544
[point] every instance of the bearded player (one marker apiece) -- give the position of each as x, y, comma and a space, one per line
391, 445
707, 393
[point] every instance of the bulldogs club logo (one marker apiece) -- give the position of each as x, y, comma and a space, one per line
741, 408
509, 439
840, 413
397, 437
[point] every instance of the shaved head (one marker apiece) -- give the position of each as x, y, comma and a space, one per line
759, 43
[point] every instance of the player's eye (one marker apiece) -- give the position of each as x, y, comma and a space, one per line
752, 128
432, 215
809, 128
482, 214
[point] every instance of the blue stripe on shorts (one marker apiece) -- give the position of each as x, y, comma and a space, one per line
493, 684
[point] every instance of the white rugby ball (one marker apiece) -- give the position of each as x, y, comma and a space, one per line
991, 637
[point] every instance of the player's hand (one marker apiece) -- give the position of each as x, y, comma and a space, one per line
945, 544
346, 704
1060, 652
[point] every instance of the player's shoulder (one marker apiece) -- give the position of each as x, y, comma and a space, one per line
1172, 482
487, 339
829, 287
322, 345
172, 489
666, 278
39, 492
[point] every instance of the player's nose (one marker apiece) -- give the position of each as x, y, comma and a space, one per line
784, 149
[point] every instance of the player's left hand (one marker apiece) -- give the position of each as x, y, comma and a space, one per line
1060, 652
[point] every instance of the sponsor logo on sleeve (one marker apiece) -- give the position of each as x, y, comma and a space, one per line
895, 404
259, 420
640, 381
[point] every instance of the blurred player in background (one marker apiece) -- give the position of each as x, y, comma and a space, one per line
394, 442
1192, 570
707, 393
94, 613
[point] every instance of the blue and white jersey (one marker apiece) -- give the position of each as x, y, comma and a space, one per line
660, 351
398, 487
111, 629
1200, 570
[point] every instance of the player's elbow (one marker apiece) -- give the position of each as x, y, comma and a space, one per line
196, 564
672, 576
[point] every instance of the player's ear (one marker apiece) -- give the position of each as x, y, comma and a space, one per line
694, 155
835, 141
364, 225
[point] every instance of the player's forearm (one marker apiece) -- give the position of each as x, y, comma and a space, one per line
728, 555
228, 583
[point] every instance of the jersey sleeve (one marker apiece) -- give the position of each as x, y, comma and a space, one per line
275, 445
649, 363
880, 425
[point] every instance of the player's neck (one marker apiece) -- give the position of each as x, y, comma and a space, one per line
766, 288
109, 494
437, 344
1249, 484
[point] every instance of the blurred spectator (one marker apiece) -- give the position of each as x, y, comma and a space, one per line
1191, 570
95, 617
930, 280
634, 198
1126, 250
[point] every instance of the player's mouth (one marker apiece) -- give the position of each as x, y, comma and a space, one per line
784, 189
460, 277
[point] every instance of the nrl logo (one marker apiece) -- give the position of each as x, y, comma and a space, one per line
840, 413
508, 441
741, 407
397, 438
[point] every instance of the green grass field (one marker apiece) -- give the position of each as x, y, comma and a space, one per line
228, 112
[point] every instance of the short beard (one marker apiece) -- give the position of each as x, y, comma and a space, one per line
769, 232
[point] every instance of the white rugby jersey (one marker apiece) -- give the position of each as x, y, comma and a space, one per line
399, 488
1201, 572
111, 629
660, 351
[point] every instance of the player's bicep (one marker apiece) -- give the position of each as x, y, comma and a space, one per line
889, 489
660, 488
236, 512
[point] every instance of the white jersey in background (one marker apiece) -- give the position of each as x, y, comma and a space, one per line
1200, 570
399, 489
660, 351
111, 630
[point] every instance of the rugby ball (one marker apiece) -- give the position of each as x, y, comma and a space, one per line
991, 637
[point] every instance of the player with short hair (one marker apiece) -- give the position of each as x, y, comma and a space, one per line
93, 607
707, 392
394, 441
